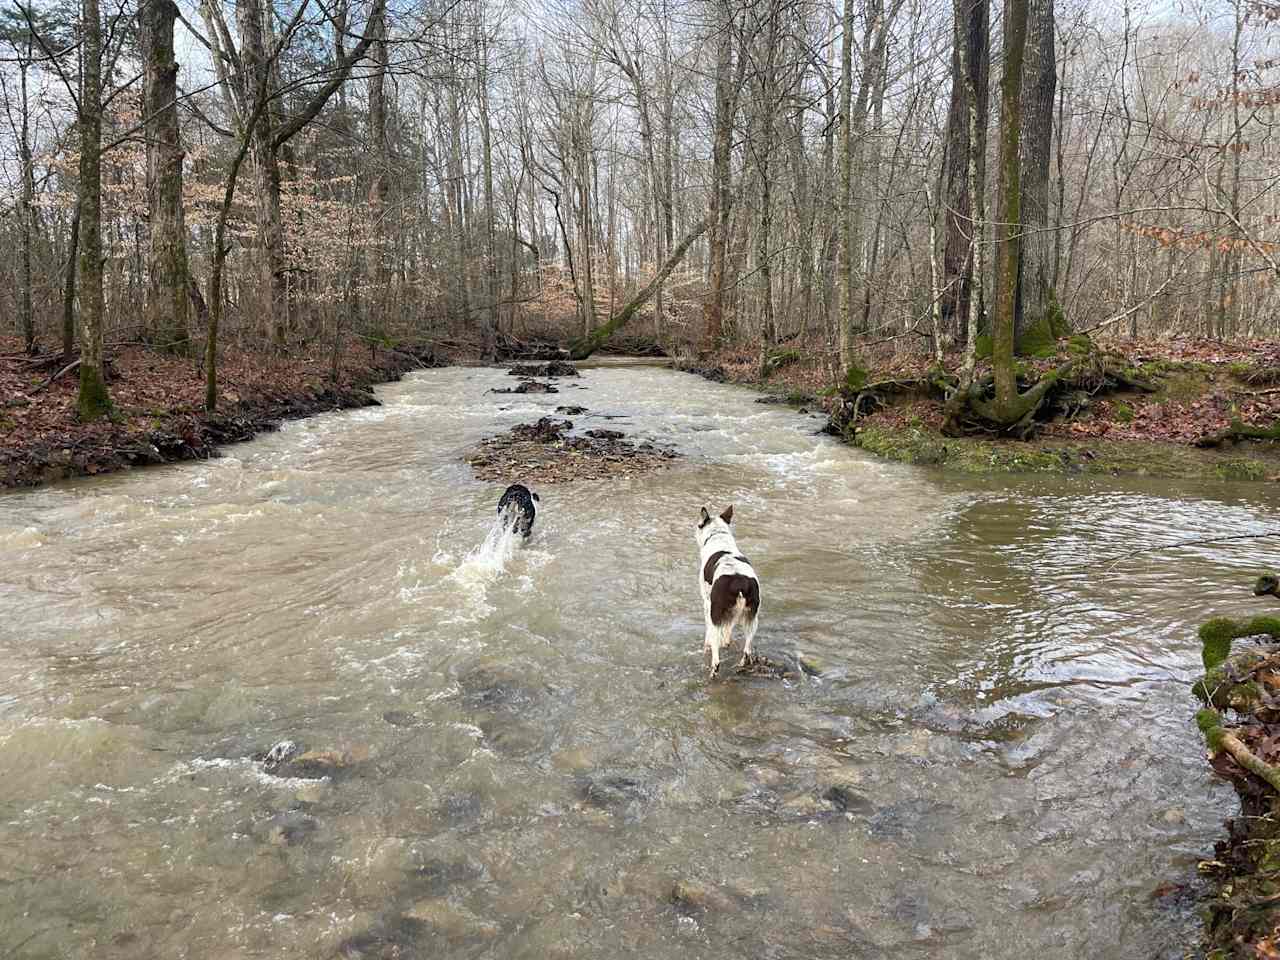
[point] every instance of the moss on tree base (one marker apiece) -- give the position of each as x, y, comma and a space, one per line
93, 402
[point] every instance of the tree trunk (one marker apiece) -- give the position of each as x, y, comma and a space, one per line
93, 399
379, 189
26, 316
970, 68
766, 108
489, 324
69, 286
1008, 238
844, 200
718, 213
257, 76
1038, 320
167, 299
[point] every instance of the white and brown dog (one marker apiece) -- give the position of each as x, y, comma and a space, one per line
730, 588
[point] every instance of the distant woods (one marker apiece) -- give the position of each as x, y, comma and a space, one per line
303, 176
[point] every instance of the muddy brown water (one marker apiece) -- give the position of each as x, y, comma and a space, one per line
995, 760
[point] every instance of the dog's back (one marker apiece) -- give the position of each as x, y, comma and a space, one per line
516, 503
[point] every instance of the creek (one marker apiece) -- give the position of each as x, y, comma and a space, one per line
989, 755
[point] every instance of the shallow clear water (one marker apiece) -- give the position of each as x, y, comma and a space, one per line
996, 759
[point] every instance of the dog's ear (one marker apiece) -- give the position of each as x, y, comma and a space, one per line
536, 497
706, 518
727, 516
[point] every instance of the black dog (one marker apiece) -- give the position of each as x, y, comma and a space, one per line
517, 506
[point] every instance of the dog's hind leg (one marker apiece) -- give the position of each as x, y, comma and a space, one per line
710, 652
749, 629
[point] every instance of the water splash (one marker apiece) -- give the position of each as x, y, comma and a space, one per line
486, 562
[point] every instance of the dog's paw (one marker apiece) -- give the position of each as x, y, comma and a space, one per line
714, 672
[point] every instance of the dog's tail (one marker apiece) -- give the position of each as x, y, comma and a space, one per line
733, 596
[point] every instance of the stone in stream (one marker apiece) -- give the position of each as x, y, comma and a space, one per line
529, 386
847, 800
452, 921
286, 829
571, 410
288, 760
277, 754
607, 435
391, 938
555, 368
608, 791
402, 718
439, 878
545, 430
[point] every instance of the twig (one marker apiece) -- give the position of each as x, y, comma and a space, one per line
1190, 543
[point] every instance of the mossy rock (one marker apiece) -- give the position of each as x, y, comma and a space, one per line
1123, 413
1217, 634
1241, 468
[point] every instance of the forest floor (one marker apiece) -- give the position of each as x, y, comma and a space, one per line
158, 405
1177, 430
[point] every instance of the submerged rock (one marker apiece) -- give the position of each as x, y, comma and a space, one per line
571, 410
394, 938
285, 829
402, 718
452, 921
605, 434
847, 800
438, 878
695, 895
317, 764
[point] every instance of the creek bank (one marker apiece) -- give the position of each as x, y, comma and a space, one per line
1240, 721
158, 407
1180, 409
545, 452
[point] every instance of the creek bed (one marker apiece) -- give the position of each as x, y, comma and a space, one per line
988, 753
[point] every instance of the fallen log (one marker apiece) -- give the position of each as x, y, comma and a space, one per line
583, 347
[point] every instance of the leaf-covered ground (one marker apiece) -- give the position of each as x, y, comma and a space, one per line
1203, 387
158, 406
